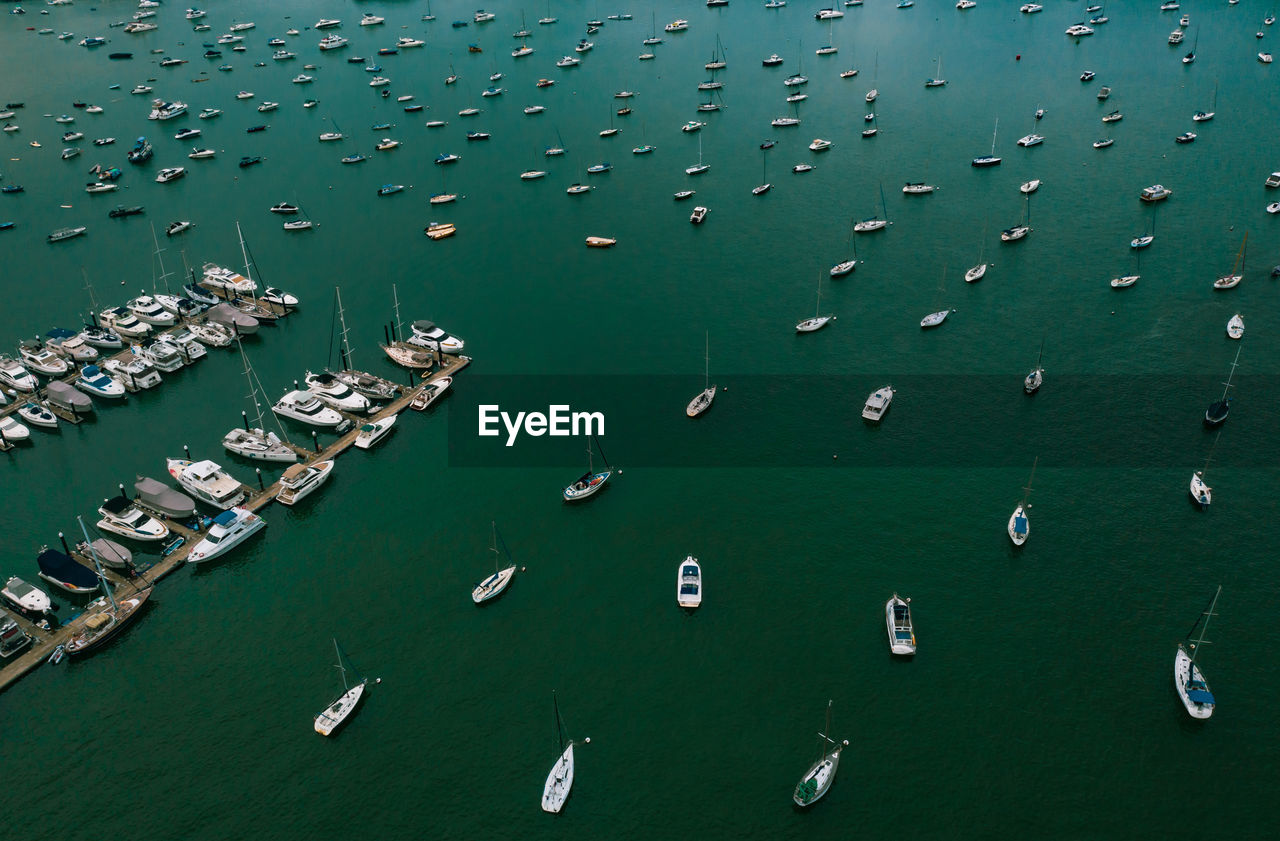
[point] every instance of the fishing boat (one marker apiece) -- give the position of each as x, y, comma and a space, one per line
817, 781
1218, 410
494, 585
878, 403
591, 482
1235, 327
810, 325
1187, 677
1230, 281
991, 159
897, 618
328, 720
430, 392
230, 528
105, 617
1031, 382
704, 398
560, 779
120, 516
1019, 526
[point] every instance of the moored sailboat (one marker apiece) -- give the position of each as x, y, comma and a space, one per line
1192, 688
703, 400
494, 585
818, 779
328, 720
1019, 524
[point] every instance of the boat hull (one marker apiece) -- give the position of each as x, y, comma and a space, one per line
559, 782
336, 714
1185, 674
493, 586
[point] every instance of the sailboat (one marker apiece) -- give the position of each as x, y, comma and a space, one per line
1230, 281
495, 584
764, 185
1191, 56
1031, 382
819, 320
874, 223
1019, 526
1146, 239
251, 307
1020, 230
373, 387
937, 81
699, 167
1201, 493
703, 400
933, 319
105, 617
1206, 116
818, 779
1187, 677
403, 353
979, 271
843, 268
990, 160
717, 61
1217, 412
256, 442
560, 780
332, 717
591, 481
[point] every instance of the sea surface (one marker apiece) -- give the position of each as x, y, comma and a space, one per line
1040, 704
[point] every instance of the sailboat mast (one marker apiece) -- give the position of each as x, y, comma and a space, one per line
559, 724
342, 322
1027, 495
707, 369
102, 578
160, 260
395, 295
338, 652
494, 548
1208, 614
993, 137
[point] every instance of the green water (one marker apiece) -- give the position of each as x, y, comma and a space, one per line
1040, 703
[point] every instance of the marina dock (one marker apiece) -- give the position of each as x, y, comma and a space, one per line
44, 642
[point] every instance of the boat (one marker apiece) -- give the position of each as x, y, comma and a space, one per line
591, 482
40, 359
120, 516
332, 717
239, 323
230, 528
430, 392
426, 334
1218, 410
1031, 382
560, 779
374, 431
67, 233
1201, 493
332, 42
106, 616
141, 151
303, 406
123, 322
702, 401
336, 393
93, 381
933, 319
148, 310
1103, 143
991, 159
14, 375
60, 570
207, 482
163, 499
1235, 327
810, 325
174, 228
918, 188
1192, 688
494, 585
121, 211
440, 230
27, 599
299, 480
817, 781
162, 110
12, 638
1230, 281
136, 373
698, 215
1019, 526
689, 583
160, 354
601, 242
1031, 140
897, 617
878, 403
1015, 233
37, 414
1265, 58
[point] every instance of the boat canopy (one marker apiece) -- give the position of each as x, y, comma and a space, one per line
1020, 525
117, 504
1199, 696
293, 474
226, 518
60, 567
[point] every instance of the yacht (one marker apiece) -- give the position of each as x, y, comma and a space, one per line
878, 403
305, 407
689, 583
229, 529
274, 295
36, 357
677, 25
327, 23
184, 343
1235, 327
225, 279
257, 444
772, 61
1156, 192
1079, 30
209, 113
27, 599
332, 42
120, 516
94, 382
211, 333
301, 479
430, 392
1031, 140
819, 145
897, 618
336, 393
147, 309
136, 373
124, 322
568, 61
374, 431
426, 334
406, 42
207, 482
14, 375
163, 356
162, 110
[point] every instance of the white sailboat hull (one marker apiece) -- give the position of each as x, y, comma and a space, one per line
1184, 672
493, 586
1019, 531
559, 782
336, 713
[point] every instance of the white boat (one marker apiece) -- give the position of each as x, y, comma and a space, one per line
1125, 281
123, 322
171, 173
14, 375
976, 273
147, 309
332, 42
163, 356
216, 277
336, 393
426, 334
1156, 192
810, 325
430, 392
878, 403
1019, 526
1031, 140
36, 414
702, 401
689, 583
842, 269
327, 23
1230, 281
211, 333
136, 373
555, 791
101, 337
1235, 327
1030, 186
207, 482
818, 779
328, 720
120, 516
591, 482
305, 407
1015, 233
918, 188
933, 319
256, 442
374, 431
1201, 493
299, 480
1078, 30
36, 357
897, 619
26, 598
1192, 688
1031, 382
12, 430
162, 110
93, 381
495, 584
230, 528
70, 345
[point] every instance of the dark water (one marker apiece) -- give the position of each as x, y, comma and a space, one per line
1040, 703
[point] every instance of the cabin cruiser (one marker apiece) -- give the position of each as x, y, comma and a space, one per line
304, 407
161, 498
212, 334
426, 334
185, 344
100, 337
180, 306
258, 444
136, 373
207, 482
272, 295
374, 431
121, 516
93, 381
1155, 192
406, 42
164, 356
229, 529
373, 387
148, 309
332, 42
12, 638
123, 322
14, 375
162, 110
36, 357
878, 403
689, 583
336, 393
27, 599
220, 278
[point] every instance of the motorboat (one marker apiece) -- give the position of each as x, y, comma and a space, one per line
40, 359
698, 215
63, 572
327, 23
124, 322
305, 407
1031, 140
279, 297
1104, 143
162, 110
918, 188
601, 242
101, 337
37, 414
120, 516
1113, 117
171, 173
175, 228
897, 618
93, 381
12, 638
1235, 327
258, 444
878, 403
211, 334
207, 482
11, 430
819, 145
147, 309
336, 393
428, 335
689, 583
430, 392
1079, 30
67, 233
1185, 137
230, 528
14, 375
184, 342
332, 42
933, 319
163, 499
232, 282
209, 113
27, 599
136, 373
301, 479
374, 431
62, 396
1031, 186
163, 356
1124, 282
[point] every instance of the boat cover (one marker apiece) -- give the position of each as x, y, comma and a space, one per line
1200, 696
111, 553
1020, 525
117, 505
61, 394
60, 567
163, 498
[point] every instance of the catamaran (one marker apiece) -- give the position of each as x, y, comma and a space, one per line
332, 716
818, 779
495, 584
1187, 677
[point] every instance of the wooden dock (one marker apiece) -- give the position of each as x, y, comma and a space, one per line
43, 642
